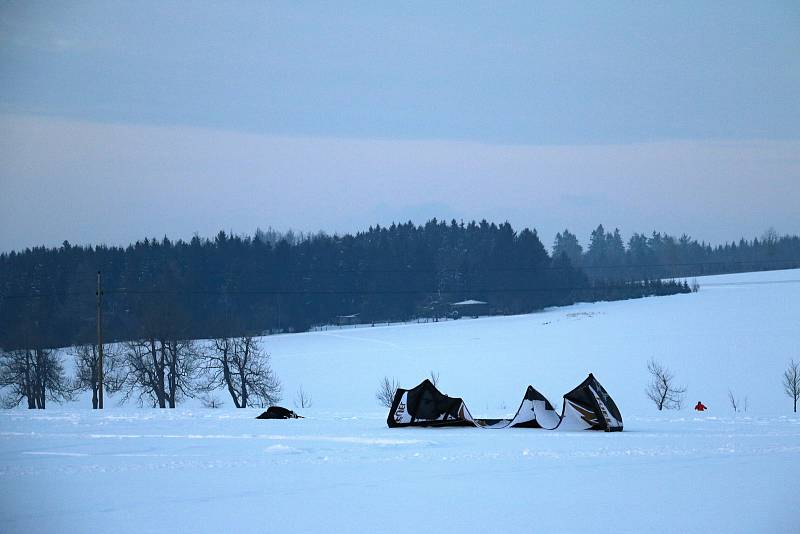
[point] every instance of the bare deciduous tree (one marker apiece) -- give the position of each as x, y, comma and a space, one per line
302, 399
791, 382
182, 366
87, 370
242, 367
144, 372
386, 391
434, 378
662, 389
210, 400
161, 370
36, 375
733, 401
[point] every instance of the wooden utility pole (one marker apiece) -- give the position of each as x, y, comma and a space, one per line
100, 341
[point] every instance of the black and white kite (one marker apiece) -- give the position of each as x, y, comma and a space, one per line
587, 407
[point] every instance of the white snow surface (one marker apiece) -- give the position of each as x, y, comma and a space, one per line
130, 469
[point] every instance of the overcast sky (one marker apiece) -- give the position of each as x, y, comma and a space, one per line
123, 120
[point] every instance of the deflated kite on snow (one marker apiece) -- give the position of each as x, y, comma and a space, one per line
587, 407
590, 407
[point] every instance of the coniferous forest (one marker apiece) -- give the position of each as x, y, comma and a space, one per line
283, 282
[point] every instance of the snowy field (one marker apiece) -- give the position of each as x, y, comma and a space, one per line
129, 469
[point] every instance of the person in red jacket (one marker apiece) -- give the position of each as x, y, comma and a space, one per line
700, 407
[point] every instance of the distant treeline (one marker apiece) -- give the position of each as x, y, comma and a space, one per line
663, 256
235, 285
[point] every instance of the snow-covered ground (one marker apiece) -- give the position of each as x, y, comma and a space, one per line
128, 469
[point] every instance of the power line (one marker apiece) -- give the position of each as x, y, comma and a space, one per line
321, 292
428, 291
409, 270
64, 294
52, 294
750, 283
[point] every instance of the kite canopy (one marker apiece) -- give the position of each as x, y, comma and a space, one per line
590, 407
587, 407
425, 405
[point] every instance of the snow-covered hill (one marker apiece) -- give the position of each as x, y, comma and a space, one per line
737, 333
128, 469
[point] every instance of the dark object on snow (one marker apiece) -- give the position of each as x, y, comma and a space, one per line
425, 405
278, 412
590, 407
587, 407
700, 407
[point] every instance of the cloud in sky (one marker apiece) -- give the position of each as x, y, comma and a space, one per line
520, 72
120, 120
94, 182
